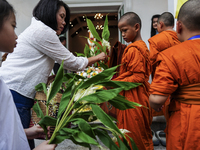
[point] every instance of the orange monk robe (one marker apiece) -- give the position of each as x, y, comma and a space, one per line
179, 66
136, 68
158, 43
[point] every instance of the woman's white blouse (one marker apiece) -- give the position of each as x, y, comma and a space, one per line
33, 59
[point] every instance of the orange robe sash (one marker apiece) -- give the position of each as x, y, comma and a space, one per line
189, 94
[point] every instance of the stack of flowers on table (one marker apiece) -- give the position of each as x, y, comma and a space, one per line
90, 72
80, 92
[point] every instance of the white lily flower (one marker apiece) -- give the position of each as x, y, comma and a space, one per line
84, 92
124, 131
106, 43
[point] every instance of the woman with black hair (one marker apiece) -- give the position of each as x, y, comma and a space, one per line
154, 22
37, 49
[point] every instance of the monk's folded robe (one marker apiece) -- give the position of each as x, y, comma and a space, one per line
179, 67
136, 67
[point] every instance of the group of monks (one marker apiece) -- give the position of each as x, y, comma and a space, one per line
174, 59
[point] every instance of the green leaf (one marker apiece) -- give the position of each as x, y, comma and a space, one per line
84, 126
58, 139
125, 85
48, 121
92, 29
106, 140
80, 143
81, 137
87, 50
103, 65
104, 118
37, 109
134, 146
68, 131
106, 32
104, 49
85, 115
121, 103
41, 87
97, 50
122, 146
57, 83
101, 96
62, 134
65, 98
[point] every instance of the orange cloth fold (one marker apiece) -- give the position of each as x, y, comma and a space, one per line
179, 66
136, 67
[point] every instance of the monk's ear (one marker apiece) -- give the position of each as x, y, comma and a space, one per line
178, 27
137, 26
161, 24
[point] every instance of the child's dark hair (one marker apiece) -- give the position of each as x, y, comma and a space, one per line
46, 10
131, 18
153, 31
62, 38
5, 10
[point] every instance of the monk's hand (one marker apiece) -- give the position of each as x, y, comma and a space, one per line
159, 109
157, 101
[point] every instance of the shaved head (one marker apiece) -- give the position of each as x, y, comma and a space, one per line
131, 19
189, 15
167, 18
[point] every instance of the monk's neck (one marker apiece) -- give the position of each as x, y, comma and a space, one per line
170, 29
137, 38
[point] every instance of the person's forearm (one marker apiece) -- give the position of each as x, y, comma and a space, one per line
157, 101
92, 60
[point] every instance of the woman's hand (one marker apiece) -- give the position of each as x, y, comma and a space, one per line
102, 56
35, 132
45, 146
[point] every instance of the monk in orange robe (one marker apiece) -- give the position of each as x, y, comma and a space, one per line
135, 67
166, 38
178, 75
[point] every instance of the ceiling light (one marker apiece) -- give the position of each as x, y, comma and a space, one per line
98, 16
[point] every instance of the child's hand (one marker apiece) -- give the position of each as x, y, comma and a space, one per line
159, 109
35, 132
45, 146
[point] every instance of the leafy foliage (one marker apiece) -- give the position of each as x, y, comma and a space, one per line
83, 132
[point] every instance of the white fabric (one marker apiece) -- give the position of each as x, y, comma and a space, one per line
12, 135
33, 59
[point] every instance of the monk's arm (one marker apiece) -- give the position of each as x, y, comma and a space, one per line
157, 101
